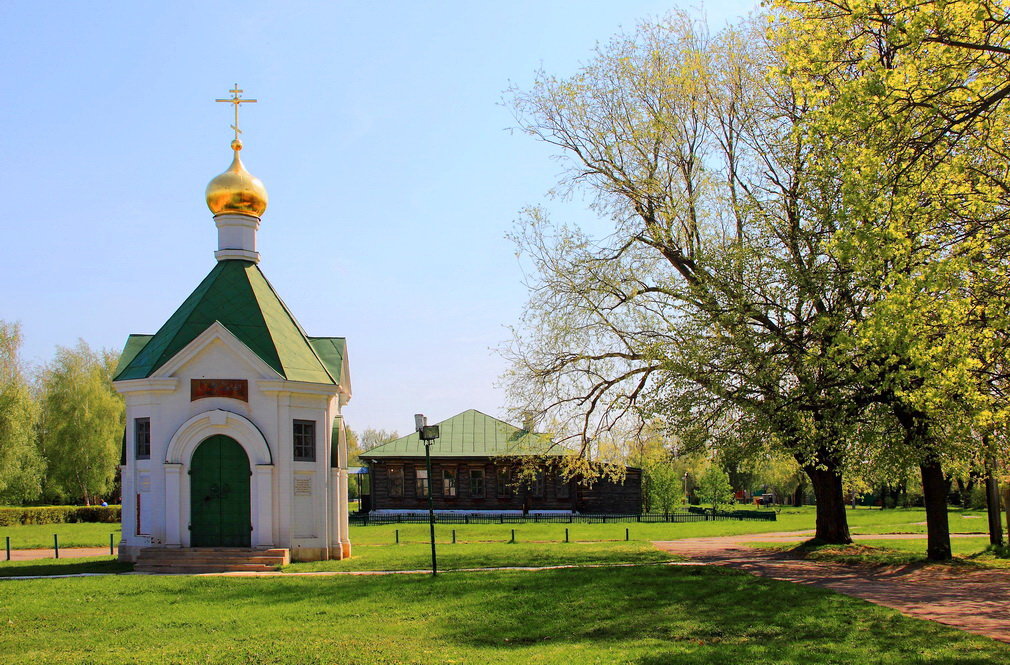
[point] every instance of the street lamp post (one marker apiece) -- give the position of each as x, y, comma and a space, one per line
428, 433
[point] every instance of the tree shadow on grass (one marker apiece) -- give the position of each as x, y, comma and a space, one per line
706, 615
649, 614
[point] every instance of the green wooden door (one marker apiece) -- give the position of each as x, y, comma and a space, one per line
219, 494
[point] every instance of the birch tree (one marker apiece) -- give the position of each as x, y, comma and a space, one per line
21, 465
81, 425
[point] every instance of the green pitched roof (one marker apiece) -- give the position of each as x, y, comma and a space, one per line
469, 434
134, 343
237, 295
331, 352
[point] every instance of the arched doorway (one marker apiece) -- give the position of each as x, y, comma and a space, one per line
220, 513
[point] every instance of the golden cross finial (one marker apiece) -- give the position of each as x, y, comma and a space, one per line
236, 99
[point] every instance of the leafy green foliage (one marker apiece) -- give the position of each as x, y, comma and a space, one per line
665, 486
711, 304
81, 426
911, 96
714, 488
59, 515
21, 465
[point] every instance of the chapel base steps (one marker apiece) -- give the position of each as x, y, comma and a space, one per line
190, 560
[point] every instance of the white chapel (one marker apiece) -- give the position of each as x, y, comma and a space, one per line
234, 435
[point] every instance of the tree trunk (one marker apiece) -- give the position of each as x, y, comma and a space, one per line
798, 494
935, 486
964, 492
934, 494
832, 523
1006, 507
992, 506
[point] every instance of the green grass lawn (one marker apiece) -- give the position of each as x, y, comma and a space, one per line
861, 520
647, 615
40, 536
417, 556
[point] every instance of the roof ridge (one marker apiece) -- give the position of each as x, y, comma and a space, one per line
298, 326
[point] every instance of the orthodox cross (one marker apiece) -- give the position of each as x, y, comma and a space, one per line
236, 99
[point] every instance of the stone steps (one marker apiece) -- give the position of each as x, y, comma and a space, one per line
189, 560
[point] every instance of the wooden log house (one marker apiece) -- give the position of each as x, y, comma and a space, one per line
476, 465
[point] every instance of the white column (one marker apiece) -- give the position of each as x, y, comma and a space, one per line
342, 516
284, 478
129, 504
262, 507
176, 521
333, 511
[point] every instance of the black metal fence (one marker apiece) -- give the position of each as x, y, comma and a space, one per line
503, 518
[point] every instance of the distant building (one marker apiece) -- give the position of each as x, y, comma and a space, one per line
475, 463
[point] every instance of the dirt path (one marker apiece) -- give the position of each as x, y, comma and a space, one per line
65, 553
975, 601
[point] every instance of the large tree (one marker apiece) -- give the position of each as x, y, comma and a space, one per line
712, 303
912, 96
81, 424
21, 465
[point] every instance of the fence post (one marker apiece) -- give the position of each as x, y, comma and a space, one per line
112, 547
454, 536
566, 534
501, 518
56, 544
626, 534
513, 536
397, 536
8, 548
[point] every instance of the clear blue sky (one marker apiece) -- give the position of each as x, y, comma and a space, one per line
379, 134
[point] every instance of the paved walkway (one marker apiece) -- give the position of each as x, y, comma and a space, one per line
65, 553
976, 601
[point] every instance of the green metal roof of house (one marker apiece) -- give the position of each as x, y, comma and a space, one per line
470, 434
237, 295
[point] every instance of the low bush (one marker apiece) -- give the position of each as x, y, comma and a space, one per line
59, 515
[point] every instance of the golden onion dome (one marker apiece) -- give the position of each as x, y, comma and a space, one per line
236, 191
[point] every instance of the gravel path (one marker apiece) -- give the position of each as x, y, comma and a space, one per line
976, 601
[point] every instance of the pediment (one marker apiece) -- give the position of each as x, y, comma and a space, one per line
217, 352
